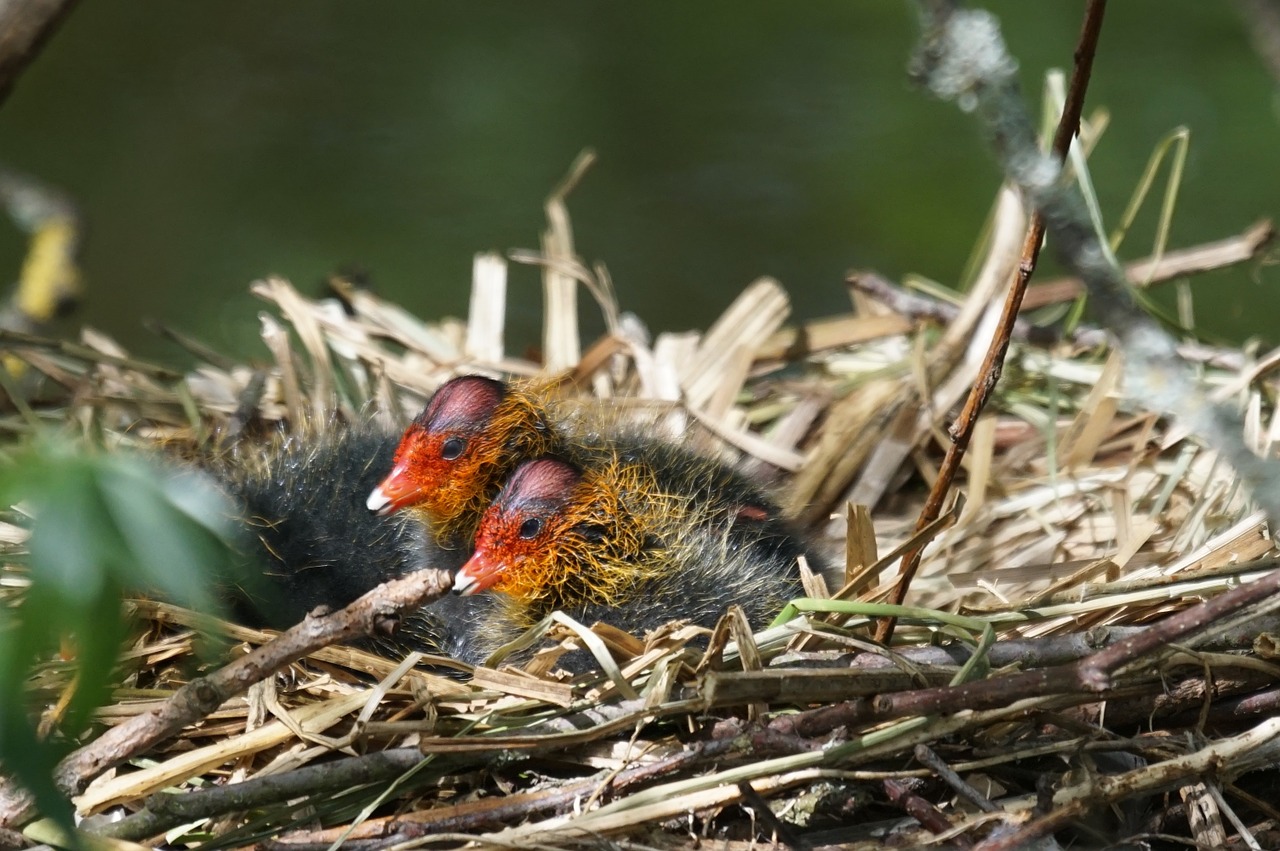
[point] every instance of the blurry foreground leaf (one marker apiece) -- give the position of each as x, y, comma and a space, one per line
102, 525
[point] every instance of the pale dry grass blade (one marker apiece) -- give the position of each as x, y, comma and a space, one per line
486, 319
733, 338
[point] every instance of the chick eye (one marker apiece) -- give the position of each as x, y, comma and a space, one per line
530, 528
453, 448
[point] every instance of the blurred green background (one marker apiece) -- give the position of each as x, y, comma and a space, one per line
211, 143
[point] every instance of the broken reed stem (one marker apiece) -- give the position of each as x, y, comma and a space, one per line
17, 341
1180, 263
374, 613
993, 364
911, 306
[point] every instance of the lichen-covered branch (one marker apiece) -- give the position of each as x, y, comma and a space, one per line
963, 58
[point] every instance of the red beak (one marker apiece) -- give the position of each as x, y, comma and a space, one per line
396, 491
478, 574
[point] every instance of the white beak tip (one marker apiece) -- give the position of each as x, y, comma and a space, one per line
463, 584
378, 501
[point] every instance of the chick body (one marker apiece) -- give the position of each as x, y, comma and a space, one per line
652, 532
613, 542
308, 538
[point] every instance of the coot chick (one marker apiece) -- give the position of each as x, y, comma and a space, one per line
309, 544
612, 542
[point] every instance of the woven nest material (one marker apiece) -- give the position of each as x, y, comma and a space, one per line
1082, 520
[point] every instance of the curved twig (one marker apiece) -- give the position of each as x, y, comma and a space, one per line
993, 363
374, 613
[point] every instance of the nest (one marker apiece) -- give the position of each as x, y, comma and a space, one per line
1083, 521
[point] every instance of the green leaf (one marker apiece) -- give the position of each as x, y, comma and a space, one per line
101, 524
169, 551
24, 755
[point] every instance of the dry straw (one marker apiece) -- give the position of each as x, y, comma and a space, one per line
1085, 518
1081, 514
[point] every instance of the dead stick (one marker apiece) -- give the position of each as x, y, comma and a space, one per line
24, 29
930, 817
1262, 23
164, 811
1093, 675
374, 613
993, 364
371, 614
926, 757
962, 56
1226, 697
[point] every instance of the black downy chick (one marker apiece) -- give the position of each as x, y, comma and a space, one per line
309, 544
